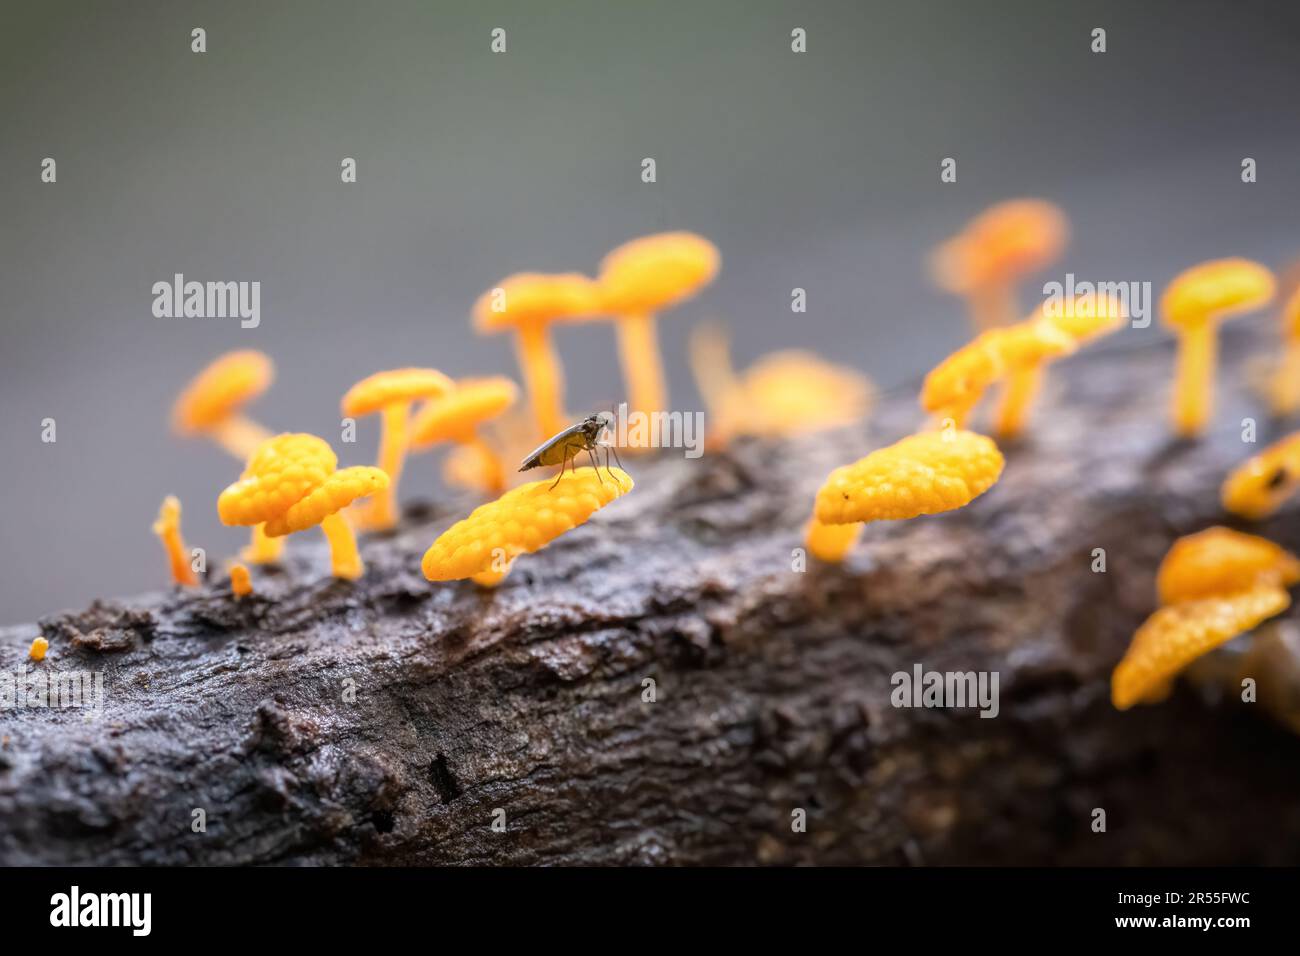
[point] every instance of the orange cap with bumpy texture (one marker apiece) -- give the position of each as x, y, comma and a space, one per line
1174, 636
335, 493
523, 520
220, 389
1219, 561
282, 471
923, 474
654, 272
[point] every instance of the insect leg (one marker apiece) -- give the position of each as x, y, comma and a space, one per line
595, 464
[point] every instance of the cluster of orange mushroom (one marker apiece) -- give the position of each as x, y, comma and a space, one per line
1211, 587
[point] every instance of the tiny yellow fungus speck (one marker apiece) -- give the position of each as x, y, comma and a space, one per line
1220, 561
241, 582
523, 520
1176, 635
923, 474
38, 649
168, 528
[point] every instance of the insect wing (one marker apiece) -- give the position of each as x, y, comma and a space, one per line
556, 449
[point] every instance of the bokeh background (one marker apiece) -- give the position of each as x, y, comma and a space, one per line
818, 170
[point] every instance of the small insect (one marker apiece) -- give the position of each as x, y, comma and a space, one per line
565, 447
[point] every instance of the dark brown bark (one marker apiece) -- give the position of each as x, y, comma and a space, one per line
772, 685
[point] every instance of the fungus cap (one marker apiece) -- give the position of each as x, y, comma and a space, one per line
965, 374
454, 416
1218, 561
653, 272
1259, 486
535, 297
1174, 636
229, 382
241, 582
282, 471
332, 495
1084, 319
923, 474
1216, 289
1006, 240
523, 520
794, 391
374, 392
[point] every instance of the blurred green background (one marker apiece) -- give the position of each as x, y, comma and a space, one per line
817, 170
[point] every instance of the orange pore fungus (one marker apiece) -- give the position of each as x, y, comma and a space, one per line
955, 385
923, 474
211, 403
241, 582
997, 248
523, 520
1193, 305
1265, 481
457, 416
784, 393
391, 393
638, 280
527, 303
168, 530
1178, 634
290, 484
1218, 561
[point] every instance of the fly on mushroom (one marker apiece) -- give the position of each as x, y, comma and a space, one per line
564, 447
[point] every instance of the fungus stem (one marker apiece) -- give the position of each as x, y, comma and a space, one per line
492, 471
1286, 388
168, 529
382, 513
240, 436
241, 582
542, 377
991, 307
262, 549
491, 578
1194, 378
638, 350
344, 557
1017, 397
831, 542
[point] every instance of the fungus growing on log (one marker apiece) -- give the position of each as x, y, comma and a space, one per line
212, 403
523, 520
1193, 305
291, 484
457, 416
168, 529
1257, 488
391, 394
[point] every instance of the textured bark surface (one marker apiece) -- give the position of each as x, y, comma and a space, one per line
772, 685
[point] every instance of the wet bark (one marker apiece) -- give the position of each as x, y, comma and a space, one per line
394, 721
